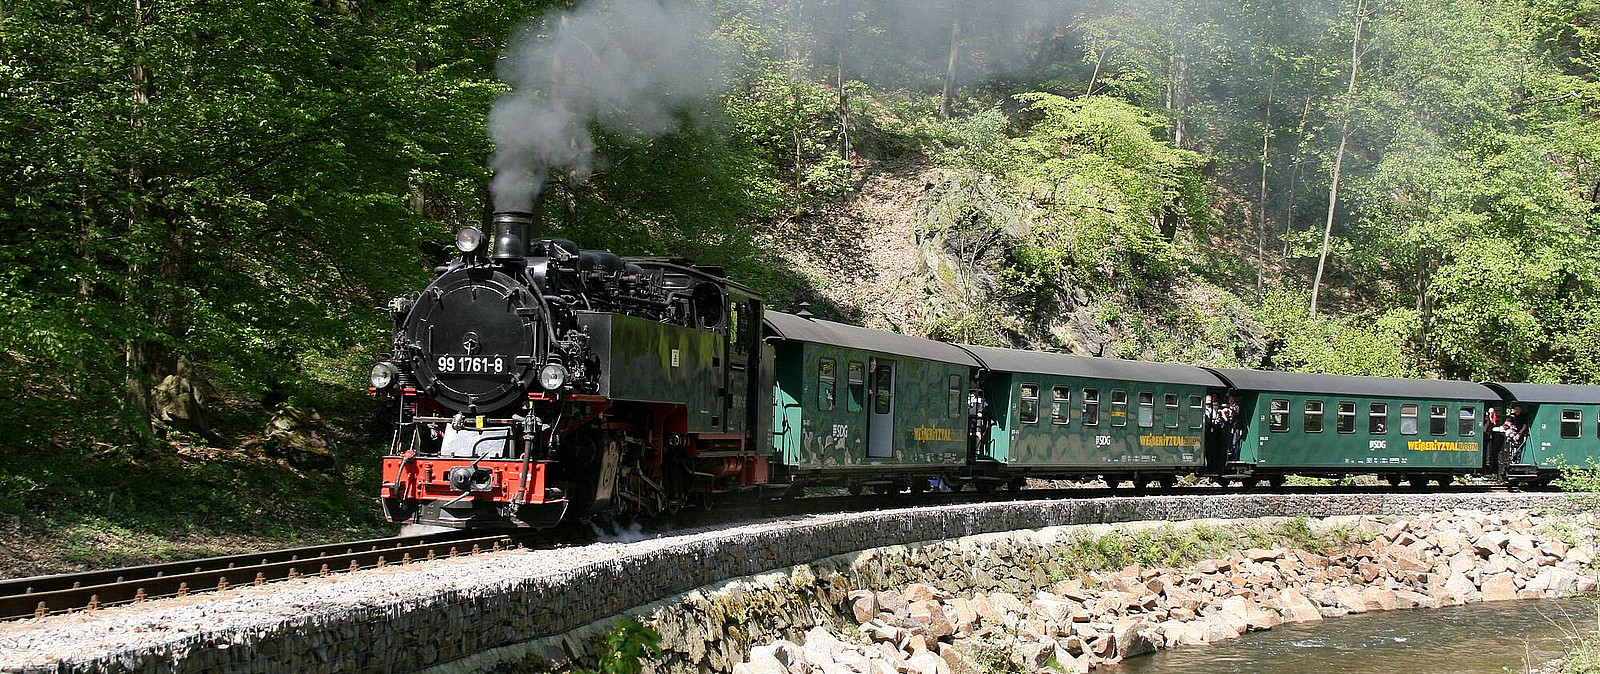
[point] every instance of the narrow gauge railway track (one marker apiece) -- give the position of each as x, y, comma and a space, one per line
42, 595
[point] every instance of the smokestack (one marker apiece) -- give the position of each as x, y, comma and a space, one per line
511, 234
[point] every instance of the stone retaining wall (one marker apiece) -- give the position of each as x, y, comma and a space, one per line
471, 614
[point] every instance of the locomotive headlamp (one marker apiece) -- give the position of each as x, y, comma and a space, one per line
552, 376
382, 375
469, 240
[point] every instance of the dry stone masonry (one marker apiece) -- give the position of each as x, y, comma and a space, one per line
1077, 624
716, 592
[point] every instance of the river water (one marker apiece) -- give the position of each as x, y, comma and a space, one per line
1473, 639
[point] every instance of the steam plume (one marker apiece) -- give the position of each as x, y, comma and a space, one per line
624, 65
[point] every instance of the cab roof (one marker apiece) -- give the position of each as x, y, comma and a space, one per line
818, 331
1063, 364
1549, 393
1339, 384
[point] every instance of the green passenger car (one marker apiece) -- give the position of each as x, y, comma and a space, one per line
1055, 415
1563, 429
859, 407
1334, 425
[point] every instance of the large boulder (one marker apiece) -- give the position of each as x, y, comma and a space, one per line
180, 400
292, 433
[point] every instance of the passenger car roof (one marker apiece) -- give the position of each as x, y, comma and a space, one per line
1064, 364
818, 331
1338, 384
1549, 393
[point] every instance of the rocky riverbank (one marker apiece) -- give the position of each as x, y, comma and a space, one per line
1096, 618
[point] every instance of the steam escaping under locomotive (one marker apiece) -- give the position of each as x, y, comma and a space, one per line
534, 383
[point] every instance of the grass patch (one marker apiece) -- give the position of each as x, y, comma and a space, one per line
1171, 546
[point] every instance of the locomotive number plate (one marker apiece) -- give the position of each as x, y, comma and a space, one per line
472, 364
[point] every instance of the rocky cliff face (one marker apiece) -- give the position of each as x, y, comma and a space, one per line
935, 252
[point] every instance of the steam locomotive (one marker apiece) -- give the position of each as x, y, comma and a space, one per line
534, 383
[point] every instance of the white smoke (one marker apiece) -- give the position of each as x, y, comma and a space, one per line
629, 66
632, 533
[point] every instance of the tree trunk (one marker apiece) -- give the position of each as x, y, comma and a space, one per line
796, 124
1261, 210
950, 69
1099, 58
1294, 178
139, 360
1177, 68
1338, 159
842, 107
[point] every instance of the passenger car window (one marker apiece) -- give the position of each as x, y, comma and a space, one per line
1061, 405
1119, 407
825, 376
1029, 410
1278, 417
1468, 422
1313, 418
1571, 423
1147, 409
1197, 413
1347, 417
1408, 419
1378, 418
955, 396
1171, 403
856, 375
1438, 420
1091, 407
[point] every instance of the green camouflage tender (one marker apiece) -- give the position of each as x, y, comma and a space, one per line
851, 400
1053, 413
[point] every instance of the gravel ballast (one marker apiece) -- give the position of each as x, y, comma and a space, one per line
425, 614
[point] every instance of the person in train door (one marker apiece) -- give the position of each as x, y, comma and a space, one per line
1236, 425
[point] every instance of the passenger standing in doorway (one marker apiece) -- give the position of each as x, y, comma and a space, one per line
1516, 433
1232, 413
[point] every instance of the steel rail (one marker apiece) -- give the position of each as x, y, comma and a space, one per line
43, 595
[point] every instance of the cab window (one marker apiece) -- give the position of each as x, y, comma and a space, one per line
1029, 410
1119, 407
1467, 422
1091, 407
1408, 419
1347, 417
955, 396
825, 377
1278, 415
1438, 420
1313, 416
1571, 423
882, 386
857, 377
1061, 405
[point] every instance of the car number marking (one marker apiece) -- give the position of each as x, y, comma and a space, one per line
472, 364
